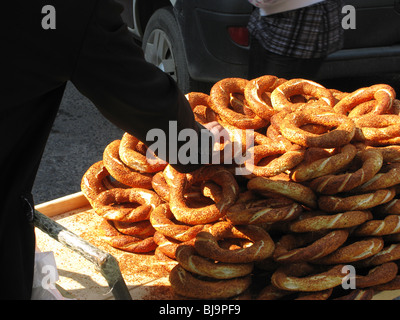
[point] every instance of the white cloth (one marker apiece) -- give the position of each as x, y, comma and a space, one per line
268, 7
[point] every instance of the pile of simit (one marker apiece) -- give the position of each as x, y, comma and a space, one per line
322, 198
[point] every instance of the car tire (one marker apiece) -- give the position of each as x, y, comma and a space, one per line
163, 46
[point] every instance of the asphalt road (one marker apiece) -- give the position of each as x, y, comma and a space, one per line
80, 134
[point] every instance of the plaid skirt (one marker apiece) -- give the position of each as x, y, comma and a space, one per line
310, 32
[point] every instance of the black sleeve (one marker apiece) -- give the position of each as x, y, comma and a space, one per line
133, 94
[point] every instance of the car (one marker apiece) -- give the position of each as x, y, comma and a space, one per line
199, 42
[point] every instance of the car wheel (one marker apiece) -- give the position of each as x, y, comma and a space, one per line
163, 46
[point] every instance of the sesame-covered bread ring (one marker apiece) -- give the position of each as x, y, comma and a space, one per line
389, 176
377, 127
355, 202
317, 221
355, 251
200, 104
389, 225
290, 189
387, 254
191, 261
342, 132
127, 205
284, 159
324, 166
206, 243
186, 284
263, 211
179, 183
161, 219
121, 171
134, 159
371, 163
381, 274
124, 242
281, 95
92, 183
382, 93
292, 248
220, 95
296, 277
255, 91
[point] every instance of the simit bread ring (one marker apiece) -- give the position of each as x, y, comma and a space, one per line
389, 225
342, 132
161, 219
355, 202
179, 183
142, 162
263, 211
201, 108
295, 248
389, 176
281, 95
220, 95
290, 189
382, 93
285, 159
187, 285
387, 254
255, 92
324, 166
206, 243
122, 172
356, 251
141, 203
92, 181
381, 274
124, 242
316, 221
191, 261
377, 127
294, 278
371, 161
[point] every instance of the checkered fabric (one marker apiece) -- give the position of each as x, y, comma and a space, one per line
310, 32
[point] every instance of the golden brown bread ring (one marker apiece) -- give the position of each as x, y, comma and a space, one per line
382, 93
356, 202
200, 105
377, 127
391, 285
113, 204
285, 159
281, 95
303, 277
381, 274
355, 251
318, 295
263, 211
194, 263
372, 162
161, 219
391, 207
92, 181
290, 189
292, 248
387, 177
124, 242
142, 162
122, 172
220, 94
179, 183
255, 92
342, 132
325, 166
141, 229
187, 285
389, 225
387, 254
317, 221
206, 243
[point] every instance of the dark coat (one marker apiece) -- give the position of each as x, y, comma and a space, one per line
92, 48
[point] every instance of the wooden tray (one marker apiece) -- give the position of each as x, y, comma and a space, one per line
146, 277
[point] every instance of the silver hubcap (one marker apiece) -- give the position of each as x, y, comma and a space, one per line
158, 52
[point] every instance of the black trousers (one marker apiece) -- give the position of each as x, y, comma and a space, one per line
263, 62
